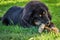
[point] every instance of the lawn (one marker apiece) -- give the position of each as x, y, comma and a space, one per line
15, 32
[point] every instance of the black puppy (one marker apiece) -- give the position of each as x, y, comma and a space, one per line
33, 14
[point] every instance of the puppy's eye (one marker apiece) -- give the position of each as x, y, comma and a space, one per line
43, 13
40, 15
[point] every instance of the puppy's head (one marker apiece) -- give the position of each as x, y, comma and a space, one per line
39, 16
36, 13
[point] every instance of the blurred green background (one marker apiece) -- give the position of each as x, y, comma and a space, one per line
15, 32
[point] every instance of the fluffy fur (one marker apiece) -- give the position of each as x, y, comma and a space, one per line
28, 15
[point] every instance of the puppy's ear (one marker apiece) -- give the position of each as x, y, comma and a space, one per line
26, 13
49, 15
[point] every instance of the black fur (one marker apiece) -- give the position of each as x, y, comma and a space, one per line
34, 8
26, 16
12, 15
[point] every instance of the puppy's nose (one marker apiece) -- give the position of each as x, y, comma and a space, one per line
48, 22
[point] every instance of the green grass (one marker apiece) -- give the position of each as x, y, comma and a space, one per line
15, 32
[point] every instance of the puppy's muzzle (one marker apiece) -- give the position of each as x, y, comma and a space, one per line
48, 23
37, 23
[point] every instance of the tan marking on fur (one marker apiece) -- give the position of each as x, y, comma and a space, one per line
43, 12
40, 15
37, 23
